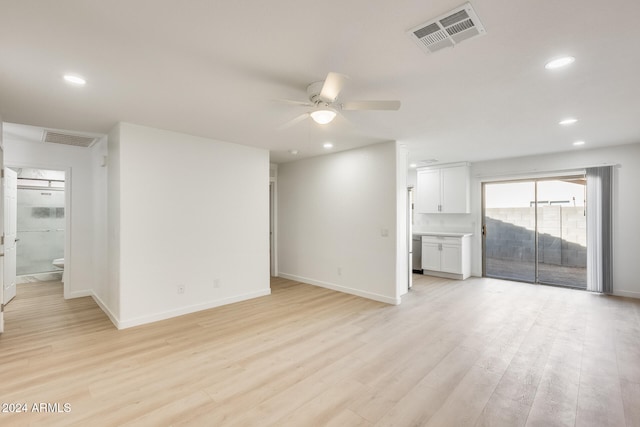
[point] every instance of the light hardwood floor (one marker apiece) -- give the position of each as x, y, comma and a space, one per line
478, 352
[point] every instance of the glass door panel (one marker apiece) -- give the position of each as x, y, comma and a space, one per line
509, 230
562, 232
41, 223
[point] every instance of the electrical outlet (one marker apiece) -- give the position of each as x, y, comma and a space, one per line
339, 271
216, 283
180, 289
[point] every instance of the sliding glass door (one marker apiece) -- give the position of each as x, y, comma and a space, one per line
562, 232
535, 231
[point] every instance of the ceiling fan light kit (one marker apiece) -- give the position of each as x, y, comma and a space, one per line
323, 98
323, 116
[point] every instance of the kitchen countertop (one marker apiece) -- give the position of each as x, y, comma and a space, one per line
441, 233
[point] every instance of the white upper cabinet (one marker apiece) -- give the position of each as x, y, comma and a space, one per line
427, 191
443, 189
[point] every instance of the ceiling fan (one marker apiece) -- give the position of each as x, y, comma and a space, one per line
324, 103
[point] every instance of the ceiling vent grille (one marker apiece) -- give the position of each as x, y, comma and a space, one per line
68, 139
447, 30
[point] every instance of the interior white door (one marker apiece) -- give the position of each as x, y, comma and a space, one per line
10, 197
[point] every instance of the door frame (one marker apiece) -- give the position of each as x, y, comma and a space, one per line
273, 227
10, 248
67, 216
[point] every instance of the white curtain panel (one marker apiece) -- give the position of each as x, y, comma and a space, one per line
599, 229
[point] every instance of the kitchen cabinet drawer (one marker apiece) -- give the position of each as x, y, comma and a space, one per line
450, 240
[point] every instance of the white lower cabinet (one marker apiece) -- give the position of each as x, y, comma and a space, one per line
446, 256
430, 255
451, 258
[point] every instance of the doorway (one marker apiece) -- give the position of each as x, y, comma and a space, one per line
271, 221
534, 230
41, 225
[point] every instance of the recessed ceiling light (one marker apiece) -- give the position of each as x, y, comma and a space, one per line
567, 122
327, 145
559, 62
577, 143
73, 79
293, 152
413, 165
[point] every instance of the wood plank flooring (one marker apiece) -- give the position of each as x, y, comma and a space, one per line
478, 352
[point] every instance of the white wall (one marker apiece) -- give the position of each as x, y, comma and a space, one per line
77, 162
192, 212
109, 298
101, 290
332, 213
626, 232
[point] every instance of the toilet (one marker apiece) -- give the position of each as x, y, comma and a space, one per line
59, 262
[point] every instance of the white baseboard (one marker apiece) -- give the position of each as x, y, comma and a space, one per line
106, 310
128, 323
444, 275
629, 294
79, 294
344, 289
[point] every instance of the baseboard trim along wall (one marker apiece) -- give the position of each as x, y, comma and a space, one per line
78, 294
137, 321
106, 310
628, 294
173, 313
344, 289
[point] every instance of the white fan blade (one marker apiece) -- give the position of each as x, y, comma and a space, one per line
292, 102
293, 122
371, 105
332, 86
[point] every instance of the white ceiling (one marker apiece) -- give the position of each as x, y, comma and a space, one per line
213, 69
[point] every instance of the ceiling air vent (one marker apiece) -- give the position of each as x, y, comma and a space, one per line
68, 139
447, 30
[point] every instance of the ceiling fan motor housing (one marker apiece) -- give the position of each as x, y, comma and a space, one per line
313, 91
